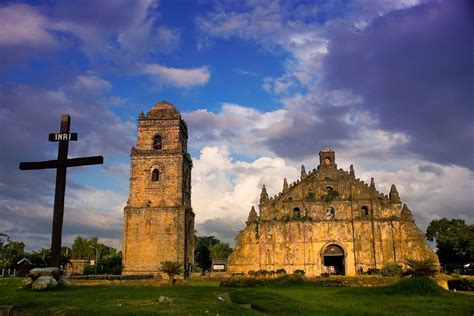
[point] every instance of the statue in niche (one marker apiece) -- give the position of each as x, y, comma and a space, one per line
330, 213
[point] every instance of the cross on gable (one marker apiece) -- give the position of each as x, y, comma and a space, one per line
61, 164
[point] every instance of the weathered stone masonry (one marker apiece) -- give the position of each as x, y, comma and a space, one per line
328, 221
158, 218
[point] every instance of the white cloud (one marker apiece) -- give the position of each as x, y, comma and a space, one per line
431, 190
224, 188
181, 77
238, 127
24, 25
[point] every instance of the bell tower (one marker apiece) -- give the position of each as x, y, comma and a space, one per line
158, 218
327, 158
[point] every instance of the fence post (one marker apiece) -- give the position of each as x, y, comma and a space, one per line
3, 271
14, 272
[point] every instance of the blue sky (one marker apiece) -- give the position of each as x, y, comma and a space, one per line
263, 85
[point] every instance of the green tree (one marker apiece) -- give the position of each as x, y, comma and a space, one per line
454, 240
202, 253
13, 252
220, 250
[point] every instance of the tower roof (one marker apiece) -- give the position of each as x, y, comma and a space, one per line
161, 107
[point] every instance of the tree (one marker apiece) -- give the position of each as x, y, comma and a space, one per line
202, 253
220, 250
454, 241
171, 268
421, 267
13, 252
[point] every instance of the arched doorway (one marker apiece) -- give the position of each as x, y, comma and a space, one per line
333, 260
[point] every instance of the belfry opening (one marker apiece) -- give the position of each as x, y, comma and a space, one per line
333, 260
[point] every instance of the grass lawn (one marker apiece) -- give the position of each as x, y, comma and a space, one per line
200, 297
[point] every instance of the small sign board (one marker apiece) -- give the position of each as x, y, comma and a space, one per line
218, 267
56, 137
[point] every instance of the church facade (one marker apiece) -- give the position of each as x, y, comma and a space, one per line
328, 221
158, 218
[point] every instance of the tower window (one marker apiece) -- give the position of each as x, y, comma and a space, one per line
155, 175
327, 161
157, 143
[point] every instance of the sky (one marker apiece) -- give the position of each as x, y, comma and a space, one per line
263, 85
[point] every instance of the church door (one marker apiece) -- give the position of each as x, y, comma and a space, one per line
333, 260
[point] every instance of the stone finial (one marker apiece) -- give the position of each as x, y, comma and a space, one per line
352, 173
252, 216
263, 195
285, 185
407, 214
372, 183
141, 115
303, 172
393, 195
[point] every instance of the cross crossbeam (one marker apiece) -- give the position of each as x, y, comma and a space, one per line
51, 164
61, 164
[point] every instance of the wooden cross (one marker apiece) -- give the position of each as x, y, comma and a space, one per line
61, 165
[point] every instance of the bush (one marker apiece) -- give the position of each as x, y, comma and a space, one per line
280, 271
461, 284
373, 271
415, 286
391, 270
89, 270
299, 273
171, 268
421, 267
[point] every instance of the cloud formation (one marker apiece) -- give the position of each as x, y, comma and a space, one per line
27, 115
180, 77
396, 68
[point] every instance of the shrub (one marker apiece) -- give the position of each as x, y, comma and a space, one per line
280, 271
299, 273
171, 268
373, 271
421, 267
422, 285
88, 269
391, 270
330, 196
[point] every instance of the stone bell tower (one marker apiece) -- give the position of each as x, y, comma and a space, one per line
158, 219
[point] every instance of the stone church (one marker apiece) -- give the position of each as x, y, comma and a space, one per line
158, 218
328, 221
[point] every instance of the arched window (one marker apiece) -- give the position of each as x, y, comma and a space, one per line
365, 211
157, 144
329, 189
155, 175
327, 161
296, 212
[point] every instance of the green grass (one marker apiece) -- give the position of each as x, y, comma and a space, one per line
200, 297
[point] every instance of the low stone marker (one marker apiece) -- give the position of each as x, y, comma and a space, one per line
46, 278
44, 282
165, 300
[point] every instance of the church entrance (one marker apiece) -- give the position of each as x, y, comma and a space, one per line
333, 260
